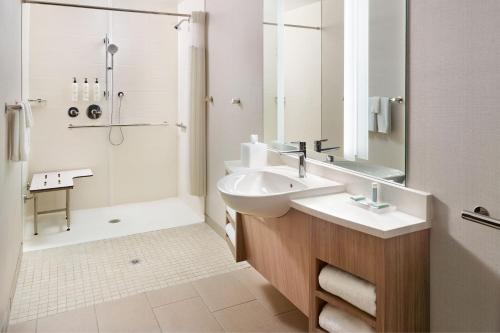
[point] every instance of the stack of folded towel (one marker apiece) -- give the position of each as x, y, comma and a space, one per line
334, 320
353, 290
231, 233
350, 288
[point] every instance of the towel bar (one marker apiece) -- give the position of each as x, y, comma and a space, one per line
17, 106
482, 216
12, 107
399, 100
37, 100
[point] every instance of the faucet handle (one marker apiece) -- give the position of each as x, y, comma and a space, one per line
302, 144
318, 144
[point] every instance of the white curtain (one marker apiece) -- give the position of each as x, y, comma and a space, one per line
197, 105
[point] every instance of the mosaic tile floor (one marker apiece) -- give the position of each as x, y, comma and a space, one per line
70, 277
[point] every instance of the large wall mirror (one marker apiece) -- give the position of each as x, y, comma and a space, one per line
335, 70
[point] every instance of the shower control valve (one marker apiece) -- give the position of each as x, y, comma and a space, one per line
94, 111
73, 112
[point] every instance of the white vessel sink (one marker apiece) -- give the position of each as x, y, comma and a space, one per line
267, 192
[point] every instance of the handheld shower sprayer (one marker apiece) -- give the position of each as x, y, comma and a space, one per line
112, 49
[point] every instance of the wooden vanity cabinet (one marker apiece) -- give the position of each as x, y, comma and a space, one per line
398, 267
290, 251
280, 249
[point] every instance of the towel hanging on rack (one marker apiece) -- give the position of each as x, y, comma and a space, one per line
19, 133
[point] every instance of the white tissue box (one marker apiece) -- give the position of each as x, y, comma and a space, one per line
253, 155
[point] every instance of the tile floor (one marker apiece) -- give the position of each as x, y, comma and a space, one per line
239, 301
72, 277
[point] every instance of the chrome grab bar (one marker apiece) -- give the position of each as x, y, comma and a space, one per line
71, 126
482, 216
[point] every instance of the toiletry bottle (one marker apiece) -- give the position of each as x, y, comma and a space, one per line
375, 192
85, 91
97, 91
74, 90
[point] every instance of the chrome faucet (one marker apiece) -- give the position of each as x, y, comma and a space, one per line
318, 147
302, 152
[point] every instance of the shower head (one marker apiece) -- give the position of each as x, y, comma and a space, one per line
178, 25
112, 48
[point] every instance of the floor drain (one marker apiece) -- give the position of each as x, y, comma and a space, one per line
135, 261
113, 221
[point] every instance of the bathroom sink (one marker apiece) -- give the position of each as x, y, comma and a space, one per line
267, 192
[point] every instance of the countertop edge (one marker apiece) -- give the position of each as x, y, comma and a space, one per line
424, 225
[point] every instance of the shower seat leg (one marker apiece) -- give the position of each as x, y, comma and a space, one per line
35, 214
68, 216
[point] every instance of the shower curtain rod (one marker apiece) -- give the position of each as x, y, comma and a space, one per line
293, 26
104, 8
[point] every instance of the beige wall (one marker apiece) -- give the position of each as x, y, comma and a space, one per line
10, 172
454, 154
234, 70
67, 42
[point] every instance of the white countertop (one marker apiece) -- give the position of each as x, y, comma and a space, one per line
341, 210
234, 166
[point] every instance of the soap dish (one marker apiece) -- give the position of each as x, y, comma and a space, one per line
376, 207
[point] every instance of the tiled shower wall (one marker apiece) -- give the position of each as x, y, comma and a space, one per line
66, 43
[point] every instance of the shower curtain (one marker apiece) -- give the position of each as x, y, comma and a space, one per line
197, 105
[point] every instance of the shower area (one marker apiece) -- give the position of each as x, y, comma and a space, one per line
112, 95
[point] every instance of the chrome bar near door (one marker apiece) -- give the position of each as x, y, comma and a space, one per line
481, 216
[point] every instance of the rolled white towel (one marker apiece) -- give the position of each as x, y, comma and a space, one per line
354, 290
231, 233
338, 321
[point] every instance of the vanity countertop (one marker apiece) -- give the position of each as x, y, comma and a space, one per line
341, 210
338, 208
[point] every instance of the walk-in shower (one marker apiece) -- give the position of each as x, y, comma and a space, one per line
139, 158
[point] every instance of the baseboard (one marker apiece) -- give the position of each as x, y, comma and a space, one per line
215, 226
4, 323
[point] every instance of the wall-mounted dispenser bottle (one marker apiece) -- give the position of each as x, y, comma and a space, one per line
97, 91
74, 90
86, 91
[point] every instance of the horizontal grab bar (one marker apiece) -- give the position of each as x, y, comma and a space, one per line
481, 219
71, 126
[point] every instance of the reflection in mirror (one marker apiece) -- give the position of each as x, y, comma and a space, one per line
335, 70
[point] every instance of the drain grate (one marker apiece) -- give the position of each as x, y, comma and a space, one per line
113, 221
